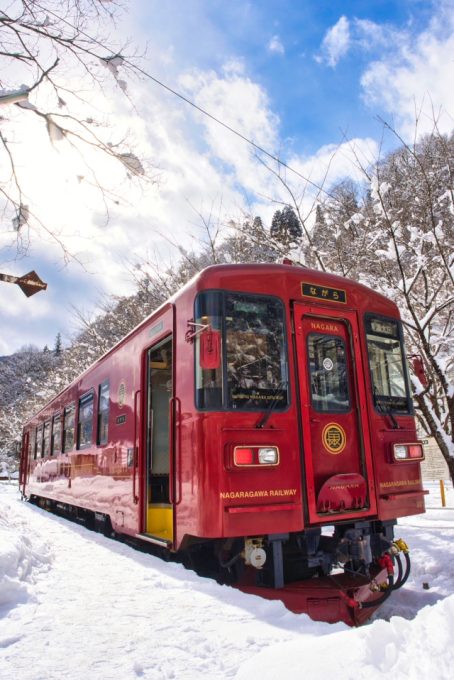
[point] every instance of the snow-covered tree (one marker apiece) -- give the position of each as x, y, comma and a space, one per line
336, 239
249, 242
400, 241
24, 383
286, 227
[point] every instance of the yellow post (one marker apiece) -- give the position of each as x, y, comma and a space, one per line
442, 493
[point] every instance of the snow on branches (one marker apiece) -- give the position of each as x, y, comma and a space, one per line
400, 240
57, 63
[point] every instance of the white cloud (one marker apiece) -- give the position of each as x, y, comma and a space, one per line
275, 45
413, 77
416, 78
329, 165
243, 105
336, 42
333, 163
234, 65
368, 35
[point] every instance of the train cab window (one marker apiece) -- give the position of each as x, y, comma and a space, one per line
85, 421
387, 365
103, 413
68, 428
248, 371
255, 352
39, 442
46, 438
56, 435
328, 373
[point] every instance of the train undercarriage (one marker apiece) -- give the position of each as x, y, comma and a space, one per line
342, 576
343, 573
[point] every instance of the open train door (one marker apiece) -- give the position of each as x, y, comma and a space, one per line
336, 440
160, 424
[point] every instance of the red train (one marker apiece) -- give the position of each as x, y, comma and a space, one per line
259, 426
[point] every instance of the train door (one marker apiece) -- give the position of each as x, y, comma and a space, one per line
159, 441
337, 450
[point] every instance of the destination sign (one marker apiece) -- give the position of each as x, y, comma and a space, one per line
323, 293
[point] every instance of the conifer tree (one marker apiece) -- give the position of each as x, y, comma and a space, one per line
57, 346
286, 227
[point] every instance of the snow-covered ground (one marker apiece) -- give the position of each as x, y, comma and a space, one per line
77, 606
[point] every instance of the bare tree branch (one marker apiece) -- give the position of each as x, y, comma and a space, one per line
41, 43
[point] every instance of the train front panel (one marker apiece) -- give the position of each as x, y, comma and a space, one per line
302, 414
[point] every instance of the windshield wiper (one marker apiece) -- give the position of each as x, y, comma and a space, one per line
385, 411
273, 403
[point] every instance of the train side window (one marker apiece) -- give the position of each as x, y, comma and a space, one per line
46, 438
39, 442
68, 428
85, 421
33, 443
56, 435
103, 413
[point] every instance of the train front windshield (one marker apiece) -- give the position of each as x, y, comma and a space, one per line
252, 369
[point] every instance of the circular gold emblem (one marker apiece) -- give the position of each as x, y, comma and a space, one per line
334, 438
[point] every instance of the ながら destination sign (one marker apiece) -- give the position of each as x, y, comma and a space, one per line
323, 293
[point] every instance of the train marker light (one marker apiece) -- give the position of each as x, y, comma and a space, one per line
243, 456
255, 455
416, 451
408, 452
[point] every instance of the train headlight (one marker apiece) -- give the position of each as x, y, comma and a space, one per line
408, 451
400, 452
255, 456
268, 455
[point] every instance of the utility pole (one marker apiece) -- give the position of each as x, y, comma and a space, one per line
28, 283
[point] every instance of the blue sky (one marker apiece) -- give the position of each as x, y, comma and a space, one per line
307, 80
281, 46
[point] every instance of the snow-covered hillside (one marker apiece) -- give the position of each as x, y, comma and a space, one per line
77, 606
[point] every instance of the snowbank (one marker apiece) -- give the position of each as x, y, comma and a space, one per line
75, 605
22, 557
422, 648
